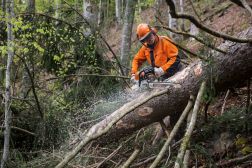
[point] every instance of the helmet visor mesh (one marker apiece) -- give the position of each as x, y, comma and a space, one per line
144, 38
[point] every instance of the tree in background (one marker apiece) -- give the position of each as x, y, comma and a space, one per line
26, 81
90, 13
127, 32
3, 5
100, 13
118, 11
173, 24
7, 100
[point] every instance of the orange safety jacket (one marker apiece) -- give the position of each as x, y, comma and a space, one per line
165, 55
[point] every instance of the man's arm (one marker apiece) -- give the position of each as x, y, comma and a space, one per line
138, 60
172, 55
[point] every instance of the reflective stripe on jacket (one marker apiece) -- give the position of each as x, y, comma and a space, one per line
165, 55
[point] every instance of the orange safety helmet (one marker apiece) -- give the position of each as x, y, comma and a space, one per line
143, 31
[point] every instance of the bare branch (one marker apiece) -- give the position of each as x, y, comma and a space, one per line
173, 133
163, 125
98, 75
190, 128
102, 127
186, 159
21, 129
186, 50
246, 5
131, 158
195, 37
33, 87
224, 103
174, 14
161, 131
145, 161
110, 155
194, 10
234, 161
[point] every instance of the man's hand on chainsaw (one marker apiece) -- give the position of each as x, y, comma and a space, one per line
158, 71
133, 79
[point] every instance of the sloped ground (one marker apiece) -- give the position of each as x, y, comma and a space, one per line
228, 18
233, 19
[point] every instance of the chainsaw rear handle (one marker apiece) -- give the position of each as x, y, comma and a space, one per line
143, 74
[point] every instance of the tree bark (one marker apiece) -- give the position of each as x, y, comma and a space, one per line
3, 5
181, 6
193, 31
127, 31
26, 83
31, 6
57, 8
100, 13
90, 13
172, 24
8, 113
118, 11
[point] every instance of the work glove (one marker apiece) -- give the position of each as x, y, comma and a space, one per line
133, 79
158, 71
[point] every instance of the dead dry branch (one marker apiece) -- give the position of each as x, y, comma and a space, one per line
173, 133
187, 136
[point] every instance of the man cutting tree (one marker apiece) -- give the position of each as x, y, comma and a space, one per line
159, 52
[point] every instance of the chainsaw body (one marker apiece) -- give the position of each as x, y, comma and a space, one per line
148, 79
146, 74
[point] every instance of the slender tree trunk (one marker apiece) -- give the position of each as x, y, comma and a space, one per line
172, 24
3, 5
107, 10
118, 11
123, 7
31, 6
139, 6
127, 31
90, 14
158, 4
57, 9
100, 13
181, 5
75, 13
8, 113
26, 82
193, 31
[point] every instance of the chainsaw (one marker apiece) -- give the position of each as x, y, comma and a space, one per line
147, 77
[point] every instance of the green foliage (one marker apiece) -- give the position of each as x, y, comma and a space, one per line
58, 47
232, 120
203, 154
52, 132
145, 4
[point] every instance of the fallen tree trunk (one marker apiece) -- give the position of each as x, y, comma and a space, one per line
222, 72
